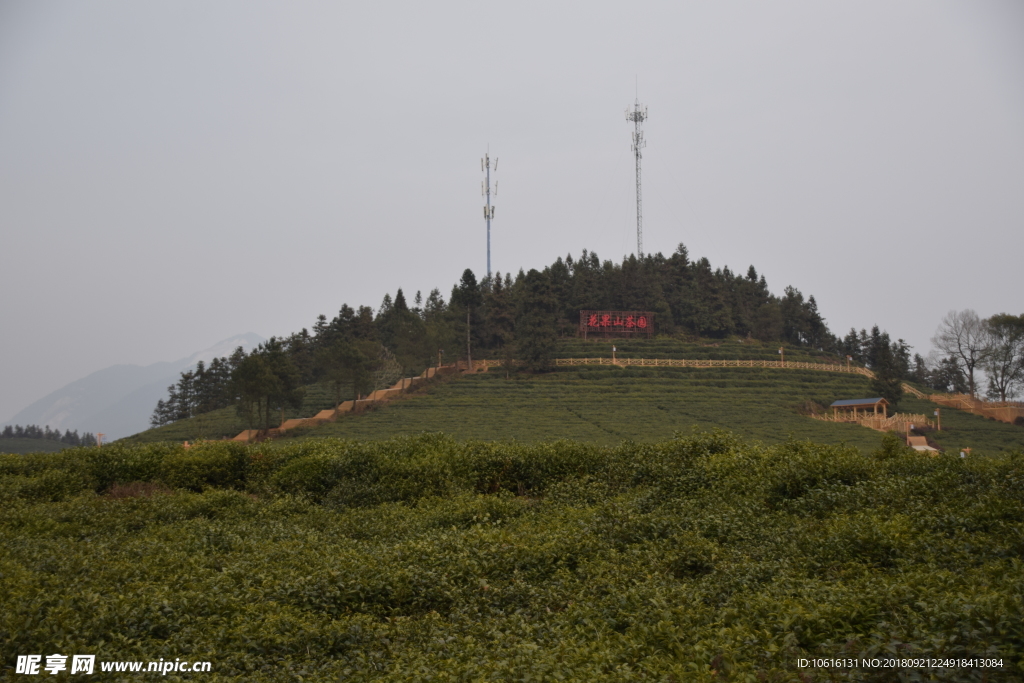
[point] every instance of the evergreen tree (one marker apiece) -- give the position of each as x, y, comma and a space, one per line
439, 328
301, 347
405, 333
252, 381
948, 376
266, 381
286, 390
919, 373
888, 381
535, 323
709, 314
343, 365
499, 321
851, 346
69, 438
466, 298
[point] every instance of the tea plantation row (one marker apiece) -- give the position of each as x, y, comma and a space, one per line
699, 558
608, 405
226, 423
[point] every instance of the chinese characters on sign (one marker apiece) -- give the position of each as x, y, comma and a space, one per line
616, 324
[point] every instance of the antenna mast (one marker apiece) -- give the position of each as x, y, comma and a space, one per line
485, 190
637, 116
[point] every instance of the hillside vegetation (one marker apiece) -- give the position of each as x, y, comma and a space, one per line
23, 445
226, 422
607, 405
698, 558
36, 439
526, 322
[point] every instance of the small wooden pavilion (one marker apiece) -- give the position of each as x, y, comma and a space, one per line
860, 407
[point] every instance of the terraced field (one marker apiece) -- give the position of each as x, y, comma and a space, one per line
962, 429
609, 405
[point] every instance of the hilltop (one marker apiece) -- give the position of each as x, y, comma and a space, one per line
666, 308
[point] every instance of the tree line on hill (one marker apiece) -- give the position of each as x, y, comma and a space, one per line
966, 345
71, 438
515, 319
994, 345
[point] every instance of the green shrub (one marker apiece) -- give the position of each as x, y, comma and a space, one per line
801, 468
51, 485
122, 463
691, 556
702, 558
892, 447
221, 464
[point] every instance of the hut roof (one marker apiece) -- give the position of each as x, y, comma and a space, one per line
858, 402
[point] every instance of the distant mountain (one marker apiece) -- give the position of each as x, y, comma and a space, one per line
118, 400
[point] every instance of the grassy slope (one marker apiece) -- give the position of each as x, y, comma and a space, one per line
960, 429
608, 405
226, 422
30, 446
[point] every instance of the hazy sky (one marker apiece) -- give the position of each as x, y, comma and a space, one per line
173, 173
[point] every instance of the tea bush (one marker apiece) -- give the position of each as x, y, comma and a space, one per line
700, 558
220, 464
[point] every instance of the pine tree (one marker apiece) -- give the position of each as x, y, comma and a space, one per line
535, 323
466, 298
344, 365
888, 381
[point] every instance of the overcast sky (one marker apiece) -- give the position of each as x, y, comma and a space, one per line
173, 173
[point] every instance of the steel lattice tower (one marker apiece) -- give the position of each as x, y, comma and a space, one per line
485, 190
637, 116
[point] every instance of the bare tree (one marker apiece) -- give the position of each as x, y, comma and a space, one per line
963, 335
1004, 363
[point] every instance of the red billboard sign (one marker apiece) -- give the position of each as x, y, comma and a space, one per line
616, 323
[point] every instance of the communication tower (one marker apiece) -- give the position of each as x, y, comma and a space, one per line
637, 115
485, 190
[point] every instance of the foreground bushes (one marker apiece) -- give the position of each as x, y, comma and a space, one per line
701, 558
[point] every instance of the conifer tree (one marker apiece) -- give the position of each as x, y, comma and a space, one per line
888, 380
535, 323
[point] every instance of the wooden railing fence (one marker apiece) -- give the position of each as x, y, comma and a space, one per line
714, 363
899, 422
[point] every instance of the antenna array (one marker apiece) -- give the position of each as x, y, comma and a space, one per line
485, 190
637, 116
